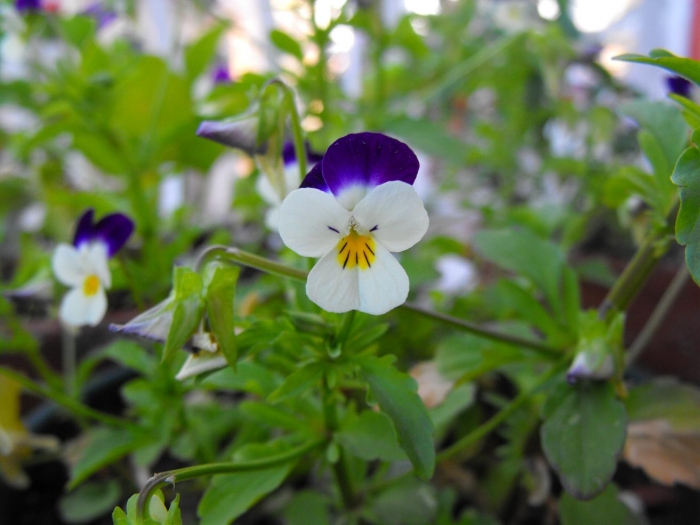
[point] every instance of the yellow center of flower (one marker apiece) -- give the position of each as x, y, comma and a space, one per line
356, 250
91, 285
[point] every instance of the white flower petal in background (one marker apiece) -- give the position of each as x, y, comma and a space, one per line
457, 274
201, 362
68, 265
312, 222
80, 309
398, 214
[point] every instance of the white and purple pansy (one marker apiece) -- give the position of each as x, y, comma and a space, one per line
84, 266
353, 208
291, 182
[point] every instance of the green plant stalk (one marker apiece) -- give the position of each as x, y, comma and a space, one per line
658, 315
237, 256
490, 425
135, 294
340, 468
638, 270
297, 132
67, 402
198, 471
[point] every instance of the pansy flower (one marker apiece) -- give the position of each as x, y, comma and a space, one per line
353, 208
291, 182
84, 266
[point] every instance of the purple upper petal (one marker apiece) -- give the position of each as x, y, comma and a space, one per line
84, 229
367, 159
113, 230
314, 179
27, 5
679, 86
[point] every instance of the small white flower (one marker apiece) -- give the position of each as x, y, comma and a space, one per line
86, 271
85, 268
355, 207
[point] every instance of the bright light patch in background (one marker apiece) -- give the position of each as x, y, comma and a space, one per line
422, 7
615, 67
343, 38
548, 9
322, 13
593, 16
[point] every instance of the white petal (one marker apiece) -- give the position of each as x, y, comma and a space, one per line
98, 262
78, 309
333, 288
312, 222
374, 290
396, 211
68, 265
384, 286
266, 191
199, 363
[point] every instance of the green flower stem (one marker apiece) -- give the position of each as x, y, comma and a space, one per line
76, 407
237, 256
289, 104
340, 467
490, 425
198, 471
638, 269
69, 358
464, 326
658, 315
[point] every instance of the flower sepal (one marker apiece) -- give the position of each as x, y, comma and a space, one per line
599, 354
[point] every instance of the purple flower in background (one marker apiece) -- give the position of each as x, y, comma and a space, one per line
84, 266
353, 208
24, 6
679, 86
220, 75
100, 14
292, 180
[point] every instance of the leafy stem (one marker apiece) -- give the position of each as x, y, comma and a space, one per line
508, 410
238, 256
638, 270
183, 474
66, 401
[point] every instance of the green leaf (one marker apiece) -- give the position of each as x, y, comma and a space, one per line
527, 255
89, 501
189, 309
230, 495
583, 434
396, 394
687, 176
691, 110
220, 302
200, 54
77, 30
132, 355
286, 43
409, 502
370, 436
105, 446
667, 399
604, 508
157, 511
307, 507
298, 382
685, 67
